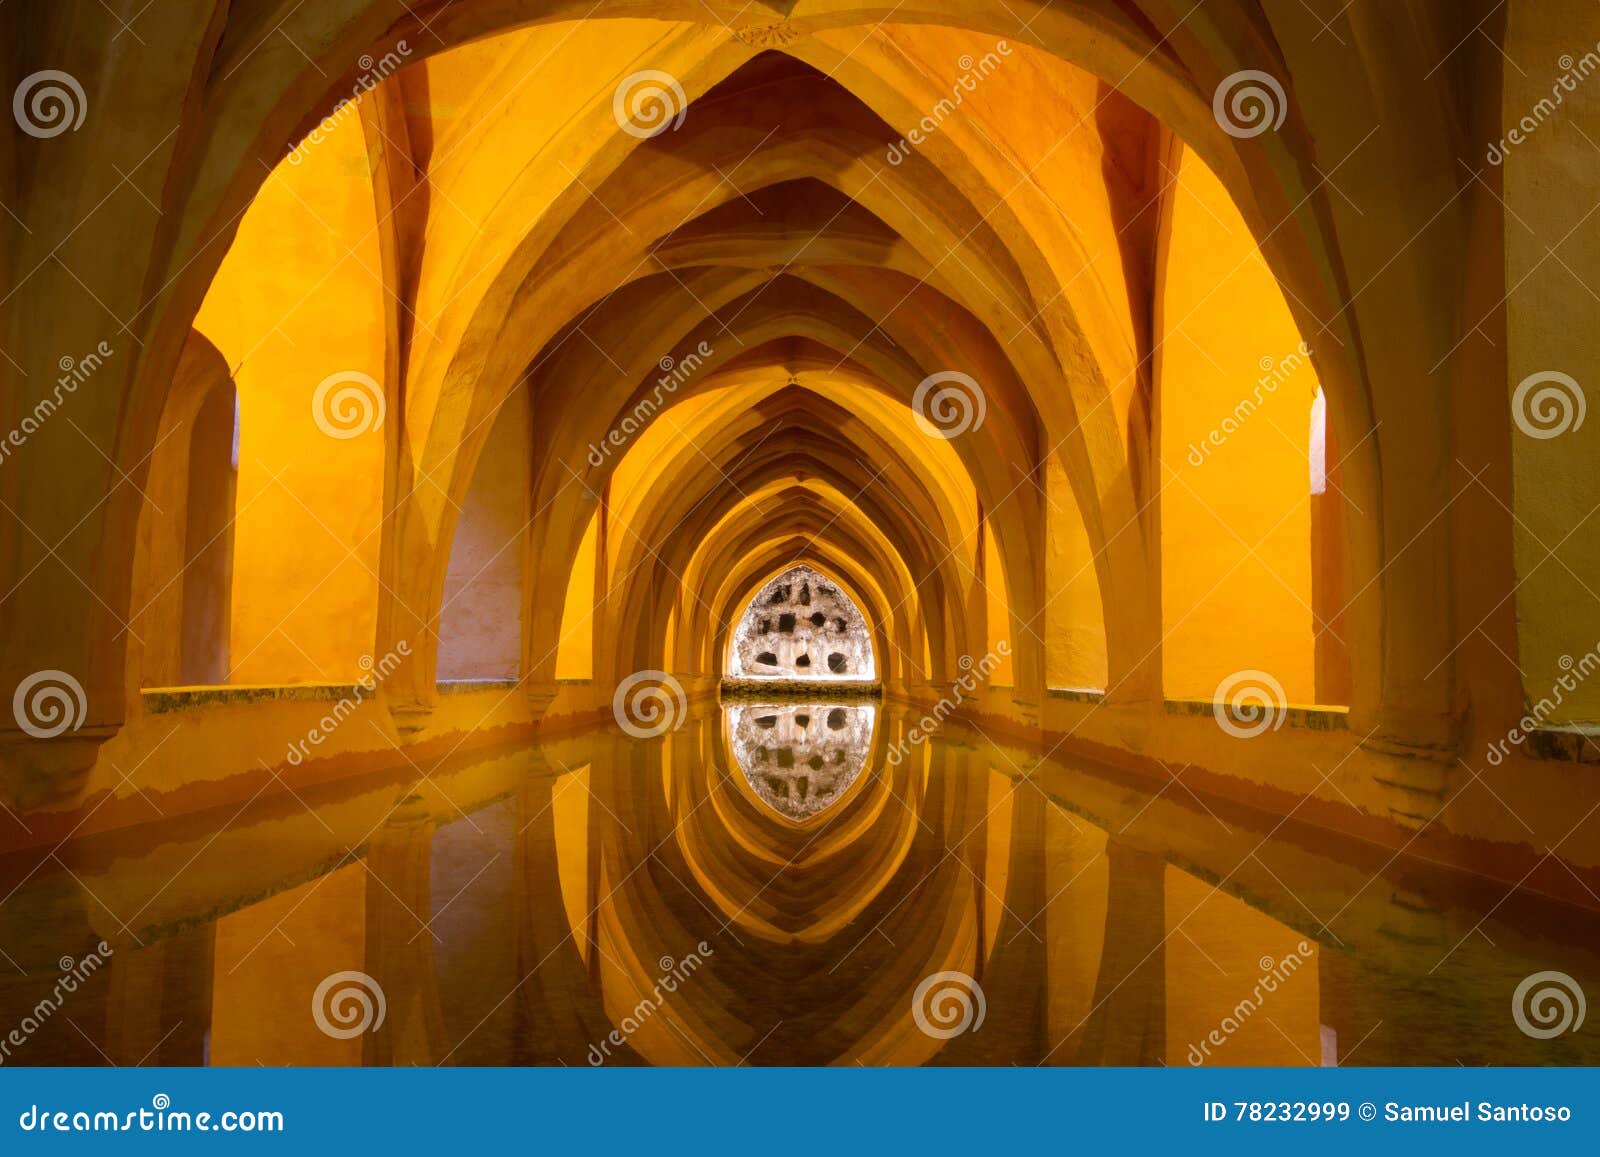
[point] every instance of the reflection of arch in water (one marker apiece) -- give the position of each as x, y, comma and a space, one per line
802, 625
801, 759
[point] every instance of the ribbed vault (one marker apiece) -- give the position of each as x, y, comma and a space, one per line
761, 295
386, 379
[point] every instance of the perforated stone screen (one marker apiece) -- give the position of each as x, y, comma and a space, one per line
801, 759
802, 626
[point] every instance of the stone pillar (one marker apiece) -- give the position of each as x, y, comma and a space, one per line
406, 593
560, 1011
159, 1008
602, 668
1128, 1021
400, 942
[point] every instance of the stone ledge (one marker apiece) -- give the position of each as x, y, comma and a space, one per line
465, 686
1308, 718
1566, 743
1076, 694
161, 700
816, 690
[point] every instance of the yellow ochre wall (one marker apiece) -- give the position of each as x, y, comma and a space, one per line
298, 298
1234, 393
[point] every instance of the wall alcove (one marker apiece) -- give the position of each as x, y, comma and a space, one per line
802, 627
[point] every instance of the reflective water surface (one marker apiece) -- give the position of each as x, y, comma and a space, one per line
800, 759
763, 886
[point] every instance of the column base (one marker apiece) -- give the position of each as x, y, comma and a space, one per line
410, 718
37, 772
539, 698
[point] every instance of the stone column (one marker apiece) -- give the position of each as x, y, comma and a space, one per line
560, 1011
158, 1011
1128, 1021
400, 942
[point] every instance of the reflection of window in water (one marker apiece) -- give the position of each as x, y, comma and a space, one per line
801, 759
802, 626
